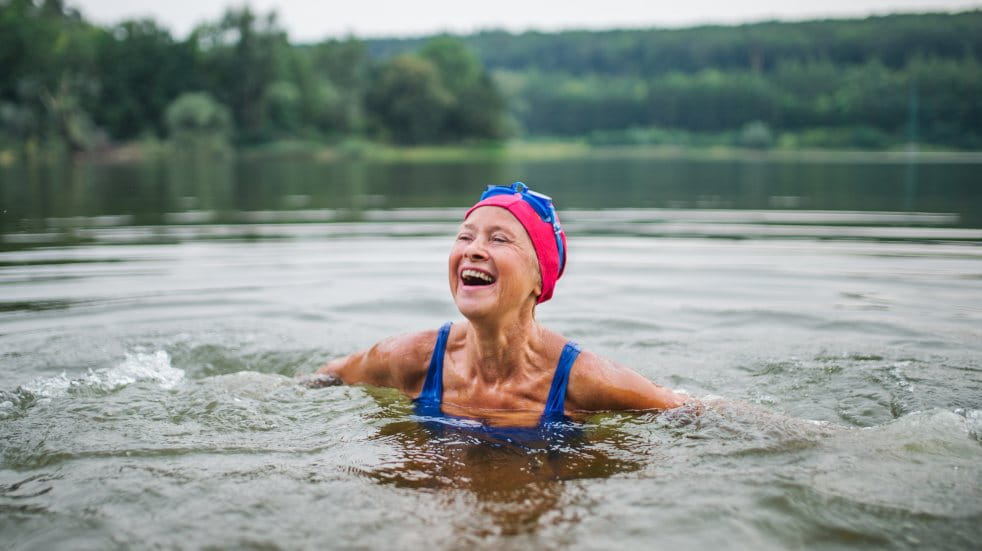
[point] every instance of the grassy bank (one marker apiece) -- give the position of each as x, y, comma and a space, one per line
540, 149
536, 150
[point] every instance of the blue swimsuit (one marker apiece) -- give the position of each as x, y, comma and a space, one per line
553, 419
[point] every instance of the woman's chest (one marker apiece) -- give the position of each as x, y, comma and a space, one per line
523, 390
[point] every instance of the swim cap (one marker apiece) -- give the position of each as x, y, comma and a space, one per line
537, 215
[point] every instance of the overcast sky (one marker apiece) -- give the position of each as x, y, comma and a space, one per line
311, 20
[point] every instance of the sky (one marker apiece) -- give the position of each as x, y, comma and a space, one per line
314, 20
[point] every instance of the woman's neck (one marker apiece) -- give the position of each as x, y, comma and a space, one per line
500, 349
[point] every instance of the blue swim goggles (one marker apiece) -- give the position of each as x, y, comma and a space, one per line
541, 204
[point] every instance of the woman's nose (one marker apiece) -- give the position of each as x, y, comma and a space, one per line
475, 249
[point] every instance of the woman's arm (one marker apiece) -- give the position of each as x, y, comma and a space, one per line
598, 384
397, 362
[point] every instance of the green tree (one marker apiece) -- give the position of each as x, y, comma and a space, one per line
477, 109
282, 103
458, 65
241, 57
408, 101
480, 111
196, 120
141, 70
47, 55
756, 135
339, 71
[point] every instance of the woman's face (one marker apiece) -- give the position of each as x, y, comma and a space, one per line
493, 267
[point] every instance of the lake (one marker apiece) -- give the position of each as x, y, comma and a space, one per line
154, 316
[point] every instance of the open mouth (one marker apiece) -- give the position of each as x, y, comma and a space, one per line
476, 277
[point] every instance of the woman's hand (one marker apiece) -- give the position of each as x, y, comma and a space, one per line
319, 380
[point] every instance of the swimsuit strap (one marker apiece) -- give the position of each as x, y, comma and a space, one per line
432, 393
556, 403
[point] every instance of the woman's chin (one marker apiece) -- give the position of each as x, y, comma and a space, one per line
475, 303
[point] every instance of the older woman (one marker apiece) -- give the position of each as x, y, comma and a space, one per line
501, 366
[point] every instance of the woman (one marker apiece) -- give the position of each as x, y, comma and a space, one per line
501, 366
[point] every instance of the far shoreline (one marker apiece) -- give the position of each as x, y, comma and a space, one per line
532, 149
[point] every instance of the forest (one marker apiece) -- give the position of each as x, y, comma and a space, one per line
875, 83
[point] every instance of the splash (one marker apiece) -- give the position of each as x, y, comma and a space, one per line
139, 366
973, 419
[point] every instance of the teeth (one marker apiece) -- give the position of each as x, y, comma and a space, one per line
477, 274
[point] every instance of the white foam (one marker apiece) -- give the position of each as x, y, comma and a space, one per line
7, 408
138, 366
973, 419
48, 387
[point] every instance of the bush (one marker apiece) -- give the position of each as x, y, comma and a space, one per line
195, 119
847, 137
756, 135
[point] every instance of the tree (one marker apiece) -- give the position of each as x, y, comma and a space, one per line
756, 135
141, 70
195, 119
478, 108
458, 65
241, 57
282, 103
338, 74
408, 101
48, 72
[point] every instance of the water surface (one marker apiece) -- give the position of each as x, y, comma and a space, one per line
153, 321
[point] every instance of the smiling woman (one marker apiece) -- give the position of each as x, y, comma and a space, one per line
501, 367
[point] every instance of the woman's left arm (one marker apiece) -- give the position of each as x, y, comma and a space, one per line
598, 384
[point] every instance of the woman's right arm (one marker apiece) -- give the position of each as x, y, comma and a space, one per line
396, 362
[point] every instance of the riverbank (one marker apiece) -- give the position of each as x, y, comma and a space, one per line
518, 150
547, 150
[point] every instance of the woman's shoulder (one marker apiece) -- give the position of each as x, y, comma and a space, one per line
408, 350
597, 383
400, 361
554, 342
592, 368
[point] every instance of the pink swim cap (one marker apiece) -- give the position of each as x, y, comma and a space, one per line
548, 237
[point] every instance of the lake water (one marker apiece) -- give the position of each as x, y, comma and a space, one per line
153, 318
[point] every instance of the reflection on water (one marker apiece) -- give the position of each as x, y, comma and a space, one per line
518, 485
796, 466
513, 483
66, 198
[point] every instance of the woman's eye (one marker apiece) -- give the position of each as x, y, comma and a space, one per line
499, 239
463, 237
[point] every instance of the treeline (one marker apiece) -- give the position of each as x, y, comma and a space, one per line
238, 79
869, 105
894, 40
872, 83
